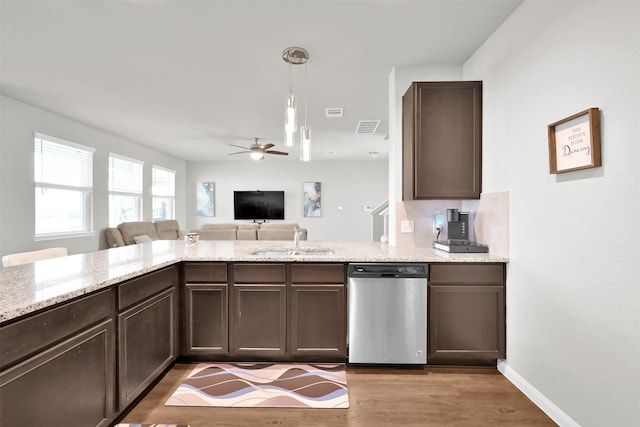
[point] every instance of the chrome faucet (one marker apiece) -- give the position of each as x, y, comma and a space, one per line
296, 239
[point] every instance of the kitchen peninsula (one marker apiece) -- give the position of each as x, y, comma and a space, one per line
33, 287
100, 328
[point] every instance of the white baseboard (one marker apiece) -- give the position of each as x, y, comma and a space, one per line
547, 406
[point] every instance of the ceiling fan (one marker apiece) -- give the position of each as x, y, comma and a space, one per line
257, 151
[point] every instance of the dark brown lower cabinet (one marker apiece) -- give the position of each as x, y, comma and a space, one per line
147, 335
264, 311
82, 362
205, 313
466, 313
259, 313
318, 319
259, 321
318, 312
147, 331
71, 383
207, 325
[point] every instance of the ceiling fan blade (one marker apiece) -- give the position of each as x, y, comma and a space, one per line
239, 152
282, 153
239, 146
267, 146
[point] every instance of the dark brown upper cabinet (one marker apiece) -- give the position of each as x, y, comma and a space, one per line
442, 140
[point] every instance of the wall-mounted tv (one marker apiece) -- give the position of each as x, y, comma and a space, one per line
258, 205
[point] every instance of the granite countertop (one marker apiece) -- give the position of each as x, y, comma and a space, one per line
31, 287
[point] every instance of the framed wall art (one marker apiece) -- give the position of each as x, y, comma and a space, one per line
205, 198
312, 199
574, 142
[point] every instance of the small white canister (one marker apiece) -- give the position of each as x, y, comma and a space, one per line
191, 239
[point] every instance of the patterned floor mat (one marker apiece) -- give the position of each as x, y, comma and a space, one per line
264, 385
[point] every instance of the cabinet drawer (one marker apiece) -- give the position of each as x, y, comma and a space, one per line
143, 287
259, 273
318, 273
466, 273
37, 332
205, 273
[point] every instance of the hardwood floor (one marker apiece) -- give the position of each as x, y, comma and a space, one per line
377, 397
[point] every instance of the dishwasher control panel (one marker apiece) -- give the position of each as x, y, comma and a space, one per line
388, 270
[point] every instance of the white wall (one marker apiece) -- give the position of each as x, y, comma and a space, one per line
17, 221
350, 185
573, 290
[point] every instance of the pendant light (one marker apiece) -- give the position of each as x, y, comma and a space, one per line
305, 143
293, 56
305, 131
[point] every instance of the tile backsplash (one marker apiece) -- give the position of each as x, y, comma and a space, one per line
488, 221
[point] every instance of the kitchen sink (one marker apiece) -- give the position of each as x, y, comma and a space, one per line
294, 252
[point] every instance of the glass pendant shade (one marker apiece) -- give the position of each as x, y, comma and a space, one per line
305, 144
288, 139
290, 125
256, 155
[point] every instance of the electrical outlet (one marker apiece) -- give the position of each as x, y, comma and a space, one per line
438, 222
406, 226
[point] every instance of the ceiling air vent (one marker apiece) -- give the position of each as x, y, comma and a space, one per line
334, 112
367, 127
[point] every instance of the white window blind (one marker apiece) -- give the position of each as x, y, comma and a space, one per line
163, 193
59, 162
125, 175
125, 189
63, 175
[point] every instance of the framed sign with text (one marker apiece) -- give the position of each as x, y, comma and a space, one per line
574, 142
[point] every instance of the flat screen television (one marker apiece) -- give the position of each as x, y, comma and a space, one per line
258, 205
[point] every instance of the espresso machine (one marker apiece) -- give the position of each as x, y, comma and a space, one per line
458, 235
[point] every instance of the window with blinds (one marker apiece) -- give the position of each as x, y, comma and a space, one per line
63, 175
125, 189
163, 191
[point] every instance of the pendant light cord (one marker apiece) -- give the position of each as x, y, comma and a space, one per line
290, 79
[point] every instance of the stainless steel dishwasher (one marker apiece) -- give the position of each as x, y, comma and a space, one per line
387, 313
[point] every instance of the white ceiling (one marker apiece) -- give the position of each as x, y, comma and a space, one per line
190, 77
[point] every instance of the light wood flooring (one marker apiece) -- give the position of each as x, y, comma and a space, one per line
377, 397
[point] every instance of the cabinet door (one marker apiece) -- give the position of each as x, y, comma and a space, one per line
318, 311
259, 321
318, 321
466, 322
72, 383
466, 313
207, 328
147, 343
442, 140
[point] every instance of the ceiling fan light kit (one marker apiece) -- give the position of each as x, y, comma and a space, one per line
257, 151
256, 155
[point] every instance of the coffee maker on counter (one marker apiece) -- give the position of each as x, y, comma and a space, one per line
458, 235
